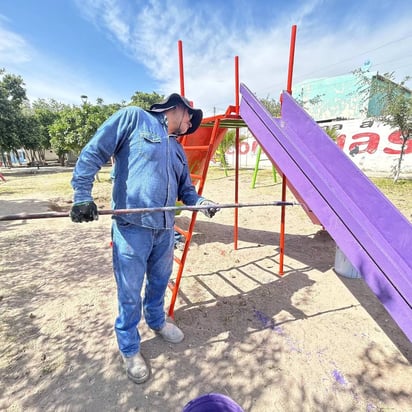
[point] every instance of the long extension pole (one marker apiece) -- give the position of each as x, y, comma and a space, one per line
115, 212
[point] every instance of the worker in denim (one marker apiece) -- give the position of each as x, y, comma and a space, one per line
150, 170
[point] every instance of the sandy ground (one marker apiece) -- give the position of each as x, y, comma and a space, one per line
308, 341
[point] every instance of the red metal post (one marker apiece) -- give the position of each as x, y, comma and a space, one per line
284, 180
237, 92
181, 72
291, 58
237, 153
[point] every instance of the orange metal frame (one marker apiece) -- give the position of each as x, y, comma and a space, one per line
219, 125
217, 132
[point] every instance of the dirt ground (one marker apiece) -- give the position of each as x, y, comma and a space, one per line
308, 341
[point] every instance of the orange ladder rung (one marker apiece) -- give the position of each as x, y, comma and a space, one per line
198, 148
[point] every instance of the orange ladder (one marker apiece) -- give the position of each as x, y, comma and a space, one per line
200, 147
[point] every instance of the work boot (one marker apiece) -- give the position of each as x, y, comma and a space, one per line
171, 333
136, 368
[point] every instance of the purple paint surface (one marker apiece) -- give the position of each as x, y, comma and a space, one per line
339, 378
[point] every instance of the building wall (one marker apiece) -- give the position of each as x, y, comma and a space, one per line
337, 97
371, 145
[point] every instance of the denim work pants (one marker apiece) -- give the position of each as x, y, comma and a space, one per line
138, 251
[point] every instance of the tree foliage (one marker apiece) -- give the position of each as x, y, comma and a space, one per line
74, 126
48, 124
394, 103
12, 99
145, 100
272, 105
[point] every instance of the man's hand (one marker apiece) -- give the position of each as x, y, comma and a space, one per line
211, 211
84, 212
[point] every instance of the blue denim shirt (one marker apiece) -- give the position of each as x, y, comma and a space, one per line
150, 168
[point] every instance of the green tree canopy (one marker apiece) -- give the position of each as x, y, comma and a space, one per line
272, 105
394, 101
145, 100
12, 99
74, 126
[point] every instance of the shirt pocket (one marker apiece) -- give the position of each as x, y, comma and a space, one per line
151, 137
147, 144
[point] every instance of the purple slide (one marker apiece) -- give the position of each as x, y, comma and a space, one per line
370, 231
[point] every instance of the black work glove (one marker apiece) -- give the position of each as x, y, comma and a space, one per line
84, 212
211, 211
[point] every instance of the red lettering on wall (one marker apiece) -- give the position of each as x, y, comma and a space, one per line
244, 148
396, 138
340, 141
370, 145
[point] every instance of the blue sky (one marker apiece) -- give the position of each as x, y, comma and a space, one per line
113, 48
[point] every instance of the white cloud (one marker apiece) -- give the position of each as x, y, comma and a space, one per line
44, 76
13, 48
210, 45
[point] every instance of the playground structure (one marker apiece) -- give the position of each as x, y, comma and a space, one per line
334, 193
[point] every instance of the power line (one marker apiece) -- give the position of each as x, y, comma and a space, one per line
325, 68
363, 53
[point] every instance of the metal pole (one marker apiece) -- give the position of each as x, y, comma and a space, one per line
237, 145
284, 178
48, 215
181, 70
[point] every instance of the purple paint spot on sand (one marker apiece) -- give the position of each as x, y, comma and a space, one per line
339, 377
267, 322
262, 318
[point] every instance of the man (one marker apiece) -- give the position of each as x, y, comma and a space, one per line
150, 170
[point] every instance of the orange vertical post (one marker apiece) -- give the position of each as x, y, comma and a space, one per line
181, 72
237, 153
291, 58
284, 182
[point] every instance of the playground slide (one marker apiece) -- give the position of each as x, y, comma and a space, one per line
366, 226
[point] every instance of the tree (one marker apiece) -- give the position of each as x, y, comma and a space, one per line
43, 113
61, 131
145, 100
29, 137
12, 98
272, 106
74, 126
389, 102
